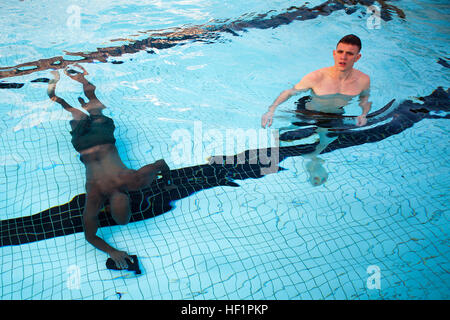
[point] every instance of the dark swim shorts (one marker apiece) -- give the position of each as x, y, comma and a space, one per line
310, 120
320, 119
92, 131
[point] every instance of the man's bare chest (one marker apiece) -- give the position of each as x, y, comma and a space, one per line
329, 86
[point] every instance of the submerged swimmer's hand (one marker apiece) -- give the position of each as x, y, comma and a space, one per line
267, 119
361, 120
119, 258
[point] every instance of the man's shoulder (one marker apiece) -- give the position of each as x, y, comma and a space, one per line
308, 81
362, 78
316, 74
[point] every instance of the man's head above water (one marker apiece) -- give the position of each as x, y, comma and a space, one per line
347, 53
352, 40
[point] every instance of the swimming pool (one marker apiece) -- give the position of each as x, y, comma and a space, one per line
377, 229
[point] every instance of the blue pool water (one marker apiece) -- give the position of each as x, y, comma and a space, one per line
382, 213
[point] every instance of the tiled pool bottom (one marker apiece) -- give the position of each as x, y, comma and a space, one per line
276, 237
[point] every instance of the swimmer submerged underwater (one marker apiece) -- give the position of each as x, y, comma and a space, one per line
107, 177
153, 200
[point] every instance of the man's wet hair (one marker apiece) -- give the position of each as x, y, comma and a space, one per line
351, 39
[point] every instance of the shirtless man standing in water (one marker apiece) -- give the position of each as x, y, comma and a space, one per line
107, 177
332, 88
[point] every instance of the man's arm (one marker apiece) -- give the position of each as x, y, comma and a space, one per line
146, 175
304, 85
364, 103
90, 222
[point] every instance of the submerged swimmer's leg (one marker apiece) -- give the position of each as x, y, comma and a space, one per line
93, 106
76, 114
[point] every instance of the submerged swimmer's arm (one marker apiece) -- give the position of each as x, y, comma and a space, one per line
145, 176
304, 85
90, 223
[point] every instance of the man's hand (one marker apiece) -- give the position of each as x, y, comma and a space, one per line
267, 119
165, 175
361, 120
119, 258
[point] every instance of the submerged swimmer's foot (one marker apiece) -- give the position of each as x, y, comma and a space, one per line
81, 67
70, 72
74, 74
82, 102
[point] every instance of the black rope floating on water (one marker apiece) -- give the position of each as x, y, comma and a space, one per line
66, 219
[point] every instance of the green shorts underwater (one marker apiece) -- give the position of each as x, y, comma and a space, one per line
92, 131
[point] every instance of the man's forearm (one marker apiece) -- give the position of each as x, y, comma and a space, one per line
366, 108
285, 95
100, 244
90, 233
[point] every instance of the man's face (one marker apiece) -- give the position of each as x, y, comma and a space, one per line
345, 56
